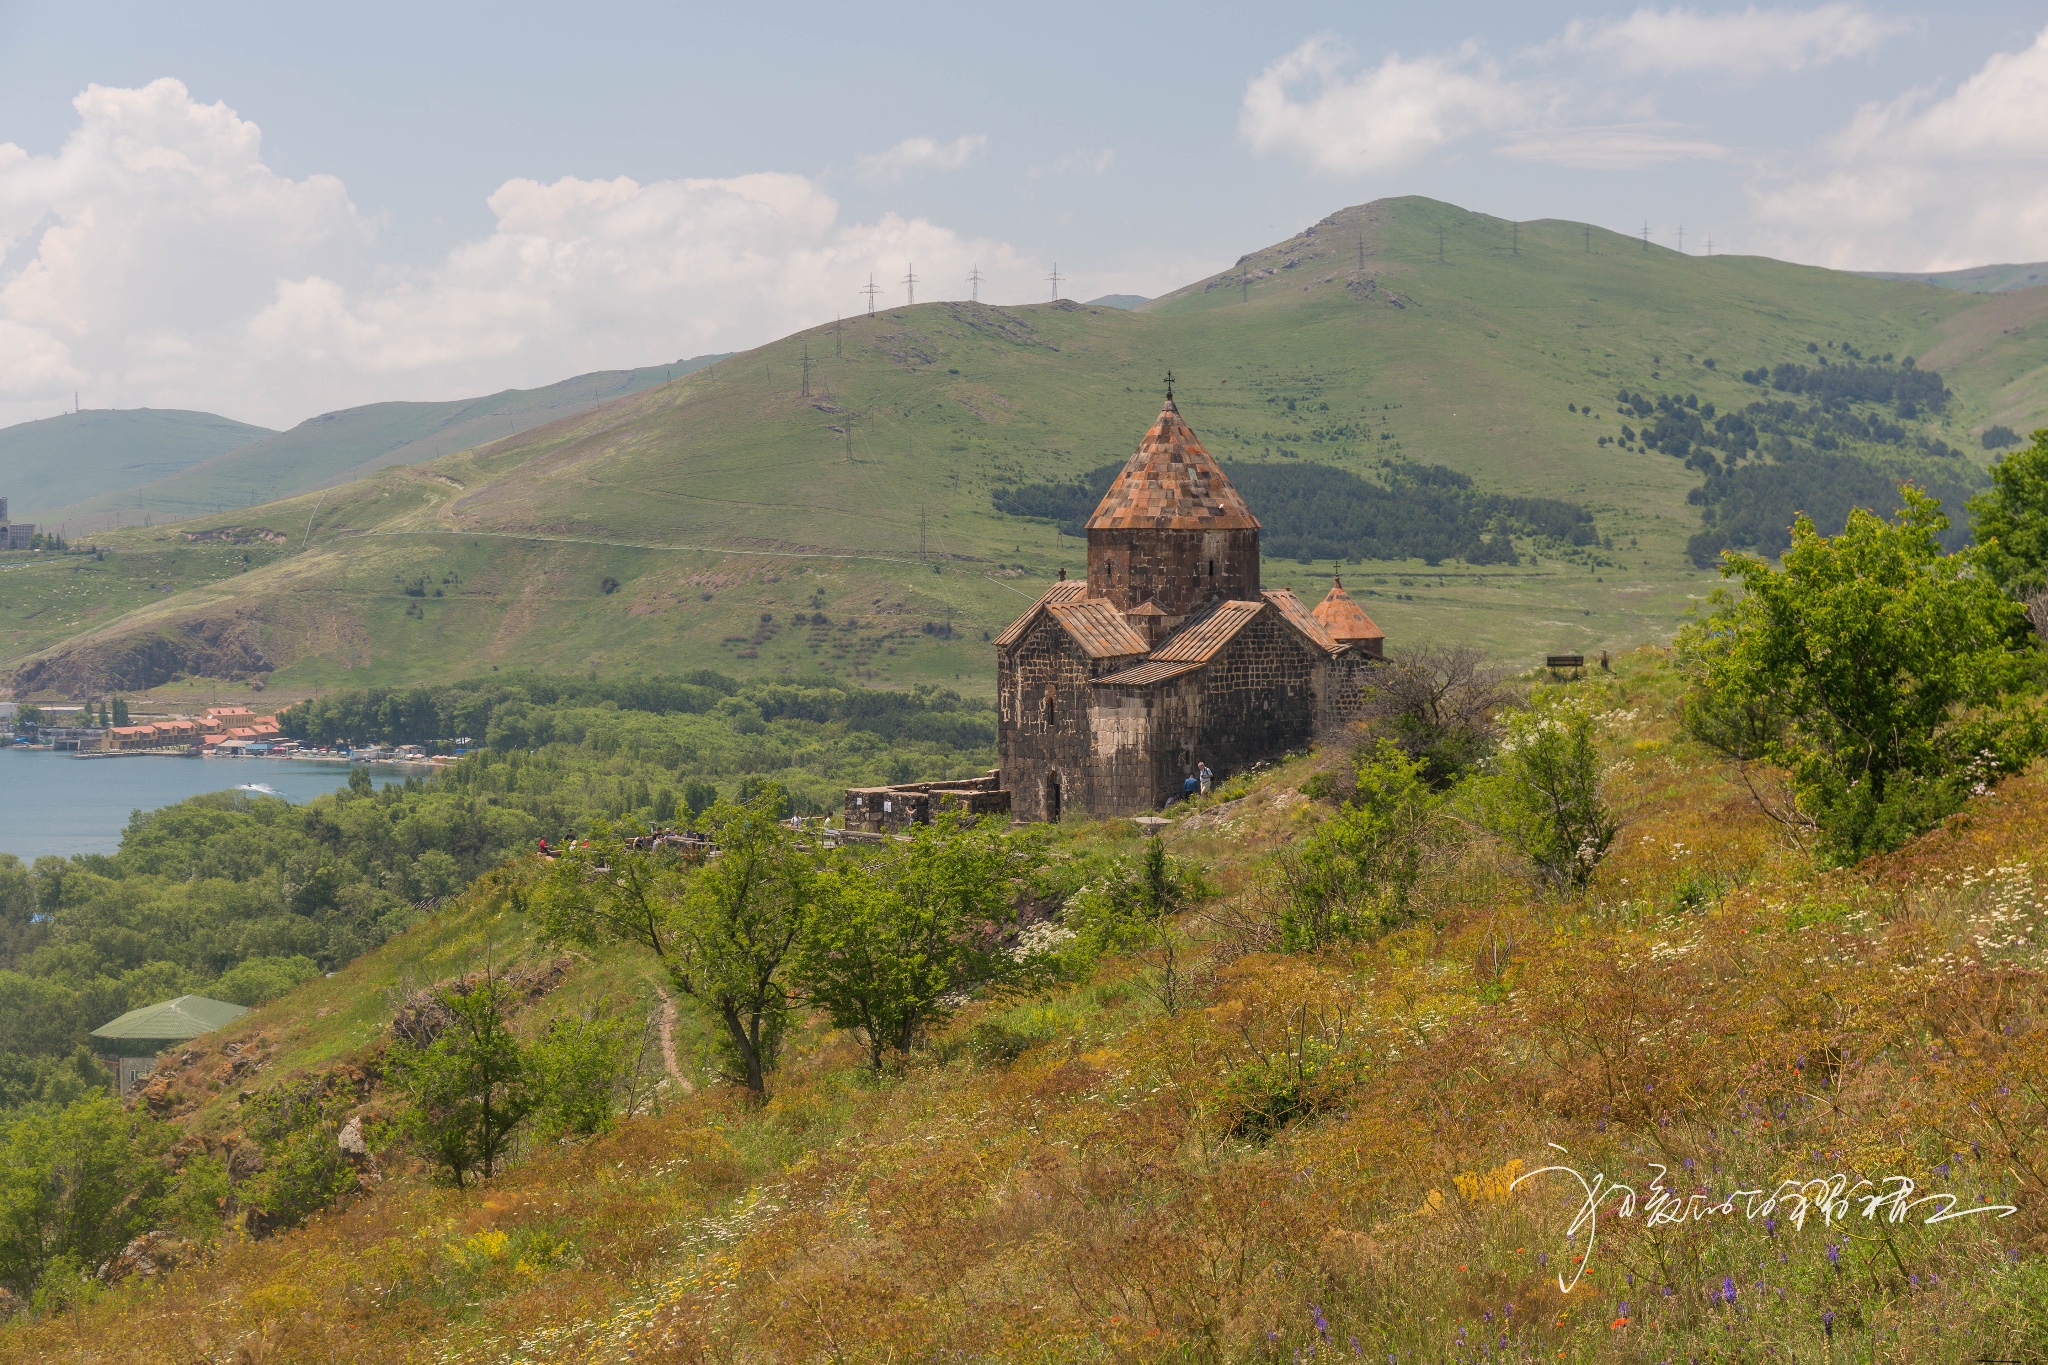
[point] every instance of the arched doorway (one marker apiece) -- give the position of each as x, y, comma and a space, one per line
1052, 798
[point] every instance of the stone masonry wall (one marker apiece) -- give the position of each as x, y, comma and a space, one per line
1182, 571
1042, 726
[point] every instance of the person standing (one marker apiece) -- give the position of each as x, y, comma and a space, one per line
1205, 776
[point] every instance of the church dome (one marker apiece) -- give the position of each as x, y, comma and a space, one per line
1172, 484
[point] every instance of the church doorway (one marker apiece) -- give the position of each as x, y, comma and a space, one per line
1052, 798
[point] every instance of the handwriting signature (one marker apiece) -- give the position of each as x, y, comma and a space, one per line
1833, 1199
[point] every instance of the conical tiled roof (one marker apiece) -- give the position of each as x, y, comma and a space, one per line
1344, 620
1172, 484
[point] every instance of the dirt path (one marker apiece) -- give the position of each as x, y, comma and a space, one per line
668, 1041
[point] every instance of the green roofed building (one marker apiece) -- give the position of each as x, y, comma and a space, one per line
131, 1042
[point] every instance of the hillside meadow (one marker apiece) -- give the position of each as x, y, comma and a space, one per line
1313, 1154
850, 470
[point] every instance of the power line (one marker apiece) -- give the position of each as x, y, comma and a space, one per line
871, 290
974, 278
1055, 278
910, 283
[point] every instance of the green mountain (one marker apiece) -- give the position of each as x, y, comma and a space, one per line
338, 446
62, 460
1977, 279
732, 518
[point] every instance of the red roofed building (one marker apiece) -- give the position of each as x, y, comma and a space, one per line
1347, 623
1170, 654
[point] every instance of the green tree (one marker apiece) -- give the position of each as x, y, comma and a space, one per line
724, 931
297, 1126
470, 1086
359, 783
582, 1065
76, 1184
1887, 678
2011, 519
1136, 908
889, 939
1355, 875
120, 711
1544, 799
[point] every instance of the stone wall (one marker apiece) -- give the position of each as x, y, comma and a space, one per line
1043, 734
1182, 571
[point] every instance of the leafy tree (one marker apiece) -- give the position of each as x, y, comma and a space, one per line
77, 1183
470, 1086
1544, 797
258, 980
1354, 876
120, 711
2012, 519
891, 938
581, 1064
1886, 677
297, 1126
1136, 908
723, 932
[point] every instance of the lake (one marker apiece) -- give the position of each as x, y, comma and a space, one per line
58, 803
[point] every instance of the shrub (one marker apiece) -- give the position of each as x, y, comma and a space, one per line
1543, 798
1442, 706
1354, 877
471, 1086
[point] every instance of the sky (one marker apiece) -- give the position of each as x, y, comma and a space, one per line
272, 211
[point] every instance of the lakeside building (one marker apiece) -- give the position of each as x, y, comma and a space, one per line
130, 1043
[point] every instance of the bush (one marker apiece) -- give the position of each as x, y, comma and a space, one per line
1353, 878
471, 1086
1442, 706
1543, 798
261, 979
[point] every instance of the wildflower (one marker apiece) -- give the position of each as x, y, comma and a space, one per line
1835, 1254
1827, 1323
1727, 1289
1322, 1324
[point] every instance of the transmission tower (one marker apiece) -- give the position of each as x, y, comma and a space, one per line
1681, 239
871, 290
1589, 239
1710, 244
836, 353
1361, 253
1055, 278
1646, 235
974, 278
910, 282
807, 369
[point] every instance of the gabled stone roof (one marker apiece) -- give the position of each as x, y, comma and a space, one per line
1099, 628
1344, 619
1066, 590
1172, 483
1200, 639
1147, 673
1299, 616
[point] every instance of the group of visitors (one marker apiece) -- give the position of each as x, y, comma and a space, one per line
1198, 782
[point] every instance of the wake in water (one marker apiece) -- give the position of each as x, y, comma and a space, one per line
261, 789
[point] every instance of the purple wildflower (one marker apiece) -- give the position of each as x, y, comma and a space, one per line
1835, 1254
1322, 1325
1827, 1323
1727, 1289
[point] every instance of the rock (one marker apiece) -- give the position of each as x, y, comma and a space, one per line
150, 1254
351, 1140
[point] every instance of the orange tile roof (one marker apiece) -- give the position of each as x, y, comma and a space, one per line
1066, 590
1200, 639
1147, 673
1099, 628
1344, 619
1300, 617
1172, 483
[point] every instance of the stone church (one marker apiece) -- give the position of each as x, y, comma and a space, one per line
1169, 654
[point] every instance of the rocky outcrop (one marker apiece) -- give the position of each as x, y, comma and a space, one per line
151, 1254
230, 649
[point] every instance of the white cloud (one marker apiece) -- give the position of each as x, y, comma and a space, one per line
923, 154
1926, 183
1614, 147
154, 259
1751, 42
1386, 117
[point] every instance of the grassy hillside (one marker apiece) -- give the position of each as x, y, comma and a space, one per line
1977, 279
728, 518
338, 446
58, 461
1313, 1157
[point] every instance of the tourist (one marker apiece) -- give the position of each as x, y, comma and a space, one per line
1202, 771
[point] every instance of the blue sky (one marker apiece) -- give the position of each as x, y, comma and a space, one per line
270, 211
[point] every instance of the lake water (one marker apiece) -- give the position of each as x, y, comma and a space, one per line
62, 804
